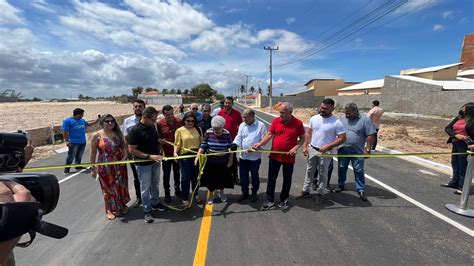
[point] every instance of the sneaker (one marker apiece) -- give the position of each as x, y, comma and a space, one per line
314, 186
283, 204
254, 197
167, 199
137, 203
66, 171
223, 197
458, 192
185, 203
79, 168
303, 195
362, 196
339, 189
159, 207
267, 205
210, 200
148, 218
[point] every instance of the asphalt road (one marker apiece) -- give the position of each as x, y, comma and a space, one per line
388, 229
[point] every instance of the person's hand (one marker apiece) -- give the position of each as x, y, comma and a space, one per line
471, 147
69, 144
156, 158
305, 151
293, 151
367, 152
94, 171
324, 148
196, 160
460, 137
257, 146
175, 154
162, 141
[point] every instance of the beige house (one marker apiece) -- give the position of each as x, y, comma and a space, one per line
366, 87
444, 72
327, 87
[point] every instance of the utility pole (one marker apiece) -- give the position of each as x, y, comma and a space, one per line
271, 78
246, 87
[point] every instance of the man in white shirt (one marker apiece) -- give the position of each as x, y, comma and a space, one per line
128, 123
375, 114
325, 132
251, 132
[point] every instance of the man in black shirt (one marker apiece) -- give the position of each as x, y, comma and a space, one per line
205, 122
143, 144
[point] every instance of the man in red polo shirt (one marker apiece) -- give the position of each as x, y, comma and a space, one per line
233, 119
166, 129
285, 131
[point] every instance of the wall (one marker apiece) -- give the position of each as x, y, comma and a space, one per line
161, 99
42, 136
304, 99
361, 92
467, 55
406, 96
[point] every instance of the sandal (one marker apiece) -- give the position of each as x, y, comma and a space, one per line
110, 215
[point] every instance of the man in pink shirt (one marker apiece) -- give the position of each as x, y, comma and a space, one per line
375, 114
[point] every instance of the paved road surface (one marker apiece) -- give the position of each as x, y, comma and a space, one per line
388, 229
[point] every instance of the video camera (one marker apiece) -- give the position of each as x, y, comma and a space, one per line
18, 218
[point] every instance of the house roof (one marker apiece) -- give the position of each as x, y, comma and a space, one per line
306, 84
151, 92
431, 69
298, 91
446, 84
370, 84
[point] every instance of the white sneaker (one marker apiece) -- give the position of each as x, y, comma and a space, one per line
223, 197
210, 200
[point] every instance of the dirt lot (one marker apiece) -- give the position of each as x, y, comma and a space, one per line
405, 133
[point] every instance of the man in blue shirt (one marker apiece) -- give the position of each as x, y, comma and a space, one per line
360, 131
251, 132
74, 133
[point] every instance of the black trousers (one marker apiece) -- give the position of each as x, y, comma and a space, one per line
167, 166
136, 182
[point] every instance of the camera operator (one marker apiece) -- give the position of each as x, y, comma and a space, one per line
11, 192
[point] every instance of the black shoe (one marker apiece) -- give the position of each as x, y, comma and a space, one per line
148, 218
137, 203
79, 168
303, 195
283, 204
362, 196
254, 197
236, 181
168, 199
339, 189
66, 171
243, 197
447, 185
159, 207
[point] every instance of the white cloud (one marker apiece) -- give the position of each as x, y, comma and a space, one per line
222, 38
438, 27
9, 14
288, 42
449, 14
42, 5
233, 10
417, 5
290, 20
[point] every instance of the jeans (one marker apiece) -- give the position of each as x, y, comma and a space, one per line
316, 163
149, 176
374, 145
189, 173
247, 166
459, 164
167, 165
273, 169
330, 169
136, 182
75, 152
357, 164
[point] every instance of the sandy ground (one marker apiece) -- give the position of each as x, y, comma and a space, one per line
405, 133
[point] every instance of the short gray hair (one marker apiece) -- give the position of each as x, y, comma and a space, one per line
205, 105
288, 106
352, 106
218, 121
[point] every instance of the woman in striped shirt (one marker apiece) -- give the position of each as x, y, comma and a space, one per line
217, 174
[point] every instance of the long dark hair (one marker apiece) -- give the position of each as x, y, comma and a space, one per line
116, 129
469, 115
191, 114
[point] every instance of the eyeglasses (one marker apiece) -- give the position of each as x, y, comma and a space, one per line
109, 122
189, 120
195, 108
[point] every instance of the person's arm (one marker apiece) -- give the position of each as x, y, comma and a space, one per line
198, 155
449, 129
294, 150
177, 143
93, 155
264, 141
238, 139
307, 140
368, 146
341, 138
132, 149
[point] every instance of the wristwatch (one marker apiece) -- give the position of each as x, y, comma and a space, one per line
147, 156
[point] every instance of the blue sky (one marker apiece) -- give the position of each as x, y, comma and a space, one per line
58, 48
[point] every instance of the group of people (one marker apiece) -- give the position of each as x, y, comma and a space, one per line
190, 134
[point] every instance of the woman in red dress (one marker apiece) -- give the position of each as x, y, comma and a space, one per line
110, 146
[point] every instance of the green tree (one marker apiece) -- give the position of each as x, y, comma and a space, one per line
137, 91
203, 91
252, 90
172, 91
179, 91
220, 96
242, 89
259, 90
164, 91
80, 97
150, 89
186, 91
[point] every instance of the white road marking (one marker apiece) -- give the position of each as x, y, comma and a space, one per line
420, 205
427, 172
71, 176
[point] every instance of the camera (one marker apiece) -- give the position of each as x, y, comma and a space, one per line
18, 218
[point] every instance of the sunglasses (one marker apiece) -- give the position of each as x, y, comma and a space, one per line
109, 122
